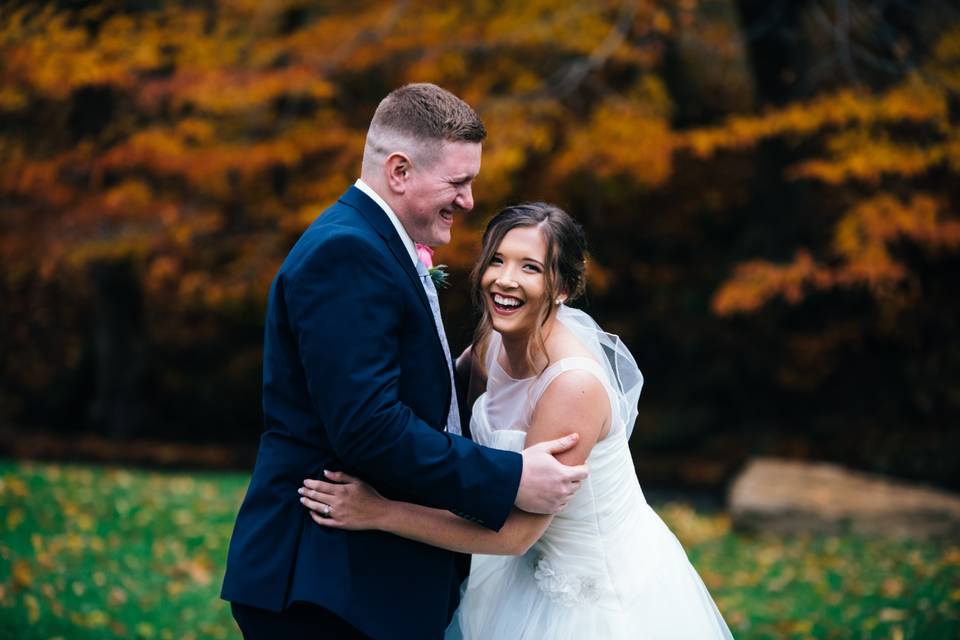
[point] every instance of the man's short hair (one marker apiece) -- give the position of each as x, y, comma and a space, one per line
425, 111
420, 117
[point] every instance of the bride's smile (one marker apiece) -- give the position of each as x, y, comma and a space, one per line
514, 281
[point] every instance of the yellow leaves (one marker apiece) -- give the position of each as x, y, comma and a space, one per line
14, 486
12, 98
91, 619
518, 131
693, 528
196, 131
866, 156
74, 543
120, 245
622, 138
888, 614
183, 517
15, 518
175, 588
72, 581
33, 608
129, 195
84, 521
22, 574
199, 569
914, 101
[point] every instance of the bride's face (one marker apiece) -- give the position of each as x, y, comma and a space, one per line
514, 281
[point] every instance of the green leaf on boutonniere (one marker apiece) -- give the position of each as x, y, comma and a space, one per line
439, 275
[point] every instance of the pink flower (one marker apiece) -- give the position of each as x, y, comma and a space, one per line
425, 254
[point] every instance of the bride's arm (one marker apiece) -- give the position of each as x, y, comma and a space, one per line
575, 401
355, 509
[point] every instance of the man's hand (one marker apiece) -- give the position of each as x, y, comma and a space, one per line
546, 484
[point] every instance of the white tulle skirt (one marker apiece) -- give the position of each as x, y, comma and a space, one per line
655, 593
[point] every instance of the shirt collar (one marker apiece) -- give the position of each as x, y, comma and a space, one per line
404, 236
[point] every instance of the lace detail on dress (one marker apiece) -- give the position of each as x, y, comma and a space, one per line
564, 588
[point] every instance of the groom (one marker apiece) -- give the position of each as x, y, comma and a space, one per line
357, 377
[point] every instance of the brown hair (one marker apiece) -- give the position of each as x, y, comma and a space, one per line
426, 115
564, 273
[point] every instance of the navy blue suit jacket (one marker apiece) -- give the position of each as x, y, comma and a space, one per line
355, 379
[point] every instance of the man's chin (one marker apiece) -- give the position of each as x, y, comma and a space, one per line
441, 237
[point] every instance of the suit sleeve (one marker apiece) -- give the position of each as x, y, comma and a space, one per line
345, 309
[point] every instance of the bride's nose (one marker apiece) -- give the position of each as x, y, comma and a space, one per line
506, 278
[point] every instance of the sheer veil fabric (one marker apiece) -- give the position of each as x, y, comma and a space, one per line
623, 375
607, 566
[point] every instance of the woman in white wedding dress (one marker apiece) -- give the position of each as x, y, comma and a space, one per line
606, 566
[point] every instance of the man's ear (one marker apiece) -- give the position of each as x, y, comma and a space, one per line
397, 168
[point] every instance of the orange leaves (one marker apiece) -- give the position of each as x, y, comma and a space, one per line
129, 195
915, 101
22, 574
862, 155
224, 91
622, 138
757, 281
863, 235
51, 54
862, 243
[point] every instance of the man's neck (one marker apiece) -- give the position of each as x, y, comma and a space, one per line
388, 209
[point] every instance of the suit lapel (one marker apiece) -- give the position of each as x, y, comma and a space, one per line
377, 218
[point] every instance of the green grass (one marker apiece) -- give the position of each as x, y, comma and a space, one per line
96, 552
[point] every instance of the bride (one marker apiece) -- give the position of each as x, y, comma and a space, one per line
605, 567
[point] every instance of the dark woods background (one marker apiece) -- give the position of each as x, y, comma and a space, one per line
770, 189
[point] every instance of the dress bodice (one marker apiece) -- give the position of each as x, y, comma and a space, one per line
606, 499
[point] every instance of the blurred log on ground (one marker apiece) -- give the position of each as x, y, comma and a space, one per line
782, 497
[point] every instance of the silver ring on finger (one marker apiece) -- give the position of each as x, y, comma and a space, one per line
326, 511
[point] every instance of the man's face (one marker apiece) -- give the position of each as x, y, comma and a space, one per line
436, 194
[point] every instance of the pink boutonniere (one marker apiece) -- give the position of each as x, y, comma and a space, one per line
437, 273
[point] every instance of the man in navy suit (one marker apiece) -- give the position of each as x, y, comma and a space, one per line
357, 377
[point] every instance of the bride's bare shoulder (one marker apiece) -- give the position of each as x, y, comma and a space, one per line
563, 344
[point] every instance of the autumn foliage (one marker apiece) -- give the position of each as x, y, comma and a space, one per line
775, 254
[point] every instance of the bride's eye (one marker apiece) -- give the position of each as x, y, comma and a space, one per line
496, 260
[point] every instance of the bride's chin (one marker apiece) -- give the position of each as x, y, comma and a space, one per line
507, 326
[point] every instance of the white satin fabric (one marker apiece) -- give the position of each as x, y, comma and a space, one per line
607, 567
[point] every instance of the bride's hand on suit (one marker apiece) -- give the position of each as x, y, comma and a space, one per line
344, 503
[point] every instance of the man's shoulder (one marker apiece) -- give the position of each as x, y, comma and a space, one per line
341, 225
337, 241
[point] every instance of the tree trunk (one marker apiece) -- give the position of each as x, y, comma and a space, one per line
120, 349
